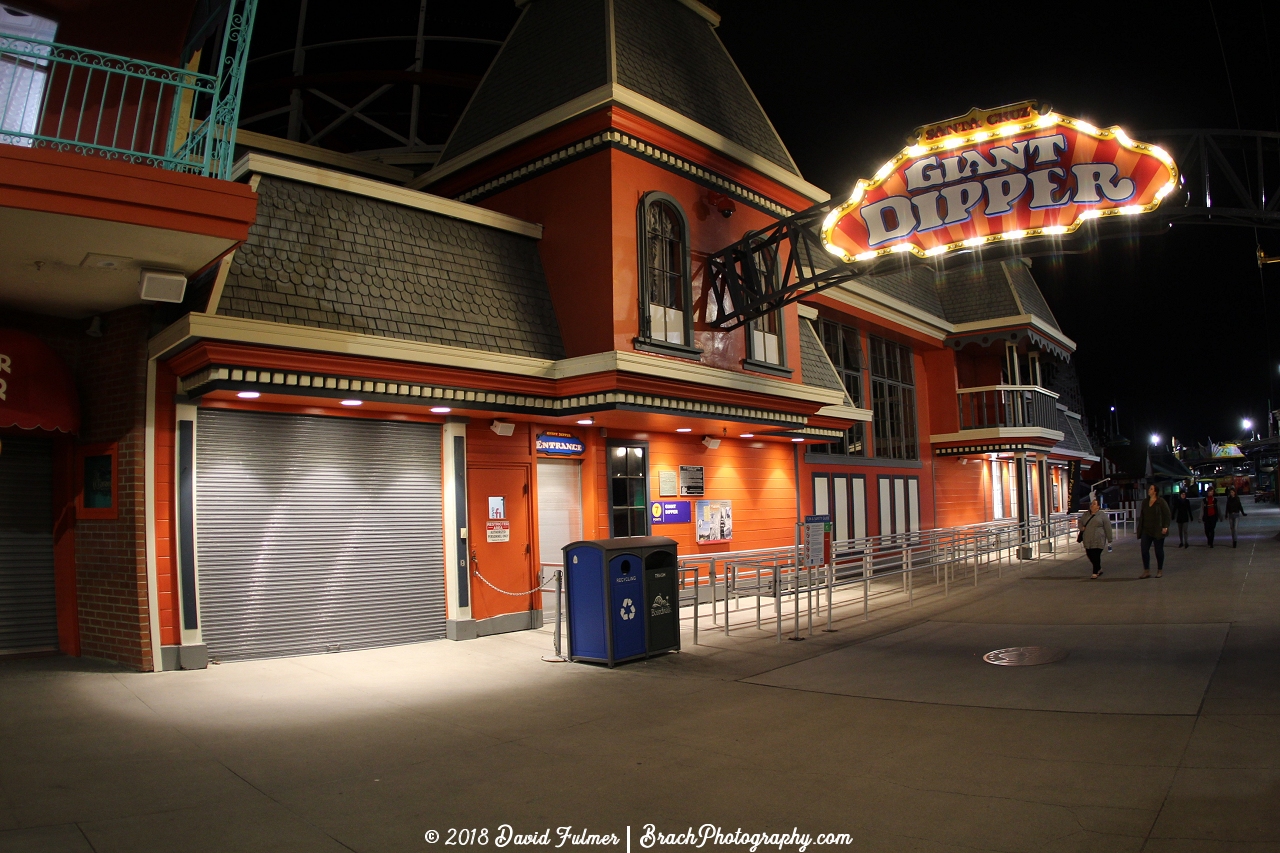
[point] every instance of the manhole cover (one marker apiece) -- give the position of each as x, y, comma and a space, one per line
1024, 656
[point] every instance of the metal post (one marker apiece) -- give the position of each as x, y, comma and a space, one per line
711, 574
831, 573
417, 96
696, 602
911, 601
777, 598
808, 582
866, 584
557, 657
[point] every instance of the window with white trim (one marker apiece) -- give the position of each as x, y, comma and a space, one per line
665, 292
893, 400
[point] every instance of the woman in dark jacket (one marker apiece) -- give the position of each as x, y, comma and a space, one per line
1210, 514
1234, 511
1153, 526
1182, 515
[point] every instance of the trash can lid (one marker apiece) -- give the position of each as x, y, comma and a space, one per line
624, 543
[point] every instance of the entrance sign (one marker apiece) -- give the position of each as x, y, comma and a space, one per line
552, 443
1007, 173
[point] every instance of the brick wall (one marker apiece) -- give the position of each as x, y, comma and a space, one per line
111, 562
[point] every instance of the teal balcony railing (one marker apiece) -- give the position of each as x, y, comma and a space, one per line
69, 99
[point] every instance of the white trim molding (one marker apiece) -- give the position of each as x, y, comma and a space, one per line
197, 326
260, 164
998, 434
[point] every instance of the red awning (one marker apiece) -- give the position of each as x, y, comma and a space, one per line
37, 390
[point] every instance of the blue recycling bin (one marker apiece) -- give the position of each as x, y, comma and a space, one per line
607, 595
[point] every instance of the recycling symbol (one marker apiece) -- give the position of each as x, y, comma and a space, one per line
628, 610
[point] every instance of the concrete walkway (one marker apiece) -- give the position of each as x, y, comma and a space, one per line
1159, 732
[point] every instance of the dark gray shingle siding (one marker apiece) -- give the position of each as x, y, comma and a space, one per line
815, 367
668, 53
914, 286
329, 260
978, 292
1028, 292
557, 51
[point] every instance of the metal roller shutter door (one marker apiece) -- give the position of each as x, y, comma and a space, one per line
28, 613
317, 534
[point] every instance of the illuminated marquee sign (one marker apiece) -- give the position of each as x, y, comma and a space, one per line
1007, 173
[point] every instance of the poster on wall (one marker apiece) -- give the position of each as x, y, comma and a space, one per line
715, 521
691, 479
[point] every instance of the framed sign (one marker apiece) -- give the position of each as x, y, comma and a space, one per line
691, 481
670, 512
668, 484
1007, 173
714, 521
97, 479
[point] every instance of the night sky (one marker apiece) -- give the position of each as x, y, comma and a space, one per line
1172, 328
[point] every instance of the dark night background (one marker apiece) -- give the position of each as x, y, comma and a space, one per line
1174, 329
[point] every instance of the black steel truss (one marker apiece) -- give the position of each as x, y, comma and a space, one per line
745, 281
1229, 177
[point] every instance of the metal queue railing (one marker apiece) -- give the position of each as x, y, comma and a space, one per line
953, 555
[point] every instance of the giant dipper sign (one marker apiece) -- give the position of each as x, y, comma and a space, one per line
1007, 173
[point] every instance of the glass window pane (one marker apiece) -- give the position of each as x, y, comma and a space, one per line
639, 518
621, 522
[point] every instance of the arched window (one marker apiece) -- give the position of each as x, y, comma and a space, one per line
665, 293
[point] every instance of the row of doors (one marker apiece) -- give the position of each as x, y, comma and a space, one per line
844, 498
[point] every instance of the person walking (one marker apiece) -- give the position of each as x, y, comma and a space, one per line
1210, 515
1095, 532
1234, 511
1153, 525
1182, 514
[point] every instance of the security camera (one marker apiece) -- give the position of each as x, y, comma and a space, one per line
722, 203
503, 428
711, 443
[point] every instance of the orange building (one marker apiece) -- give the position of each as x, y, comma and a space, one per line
380, 416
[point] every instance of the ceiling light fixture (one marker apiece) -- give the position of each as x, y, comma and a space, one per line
248, 395
685, 429
440, 410
747, 435
586, 421
353, 402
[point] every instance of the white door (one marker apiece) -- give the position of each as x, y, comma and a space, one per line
559, 520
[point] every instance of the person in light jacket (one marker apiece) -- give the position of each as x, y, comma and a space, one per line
1234, 512
1182, 515
1096, 533
1153, 526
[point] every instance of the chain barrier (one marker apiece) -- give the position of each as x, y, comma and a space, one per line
543, 588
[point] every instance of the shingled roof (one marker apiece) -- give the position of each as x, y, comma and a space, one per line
815, 366
970, 293
332, 260
663, 50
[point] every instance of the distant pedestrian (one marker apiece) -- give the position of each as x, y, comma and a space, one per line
1234, 511
1095, 532
1153, 526
1182, 514
1210, 515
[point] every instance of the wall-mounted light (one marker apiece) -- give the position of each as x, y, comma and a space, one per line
503, 428
711, 443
